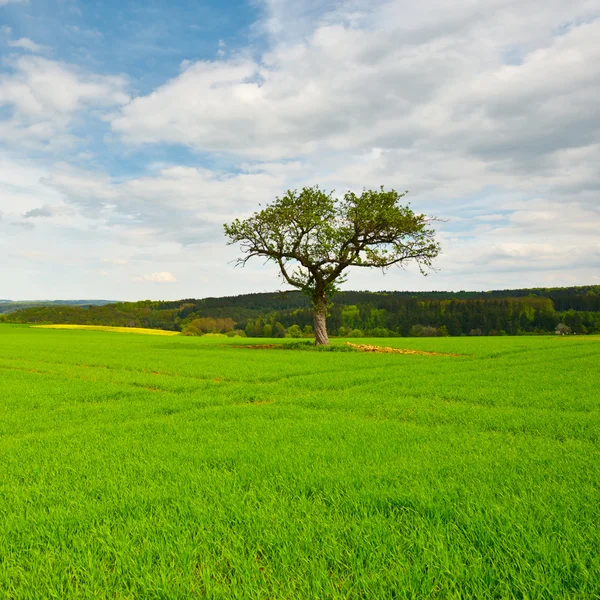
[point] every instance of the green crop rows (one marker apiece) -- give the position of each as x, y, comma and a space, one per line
175, 467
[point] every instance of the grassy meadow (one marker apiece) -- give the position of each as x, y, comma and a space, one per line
172, 467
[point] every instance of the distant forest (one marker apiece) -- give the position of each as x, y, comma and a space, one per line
374, 314
7, 306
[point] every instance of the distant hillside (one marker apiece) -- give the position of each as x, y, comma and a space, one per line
380, 314
8, 306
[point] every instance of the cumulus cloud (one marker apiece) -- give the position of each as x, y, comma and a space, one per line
22, 225
178, 204
472, 109
27, 44
43, 211
343, 87
487, 116
160, 277
45, 96
49, 210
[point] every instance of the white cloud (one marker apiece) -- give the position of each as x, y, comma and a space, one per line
342, 87
160, 277
47, 96
487, 116
84, 32
49, 210
27, 44
173, 204
21, 188
417, 97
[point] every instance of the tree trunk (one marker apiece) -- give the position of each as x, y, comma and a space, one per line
320, 320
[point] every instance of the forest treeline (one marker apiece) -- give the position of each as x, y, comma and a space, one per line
8, 306
374, 314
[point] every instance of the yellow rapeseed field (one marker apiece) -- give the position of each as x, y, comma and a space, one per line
108, 328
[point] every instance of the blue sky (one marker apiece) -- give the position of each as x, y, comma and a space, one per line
146, 41
130, 131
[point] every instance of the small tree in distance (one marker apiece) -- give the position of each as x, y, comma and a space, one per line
314, 237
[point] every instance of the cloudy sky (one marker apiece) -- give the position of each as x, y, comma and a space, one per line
131, 130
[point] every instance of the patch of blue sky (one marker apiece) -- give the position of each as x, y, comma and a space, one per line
147, 40
6, 112
486, 206
513, 55
99, 149
125, 160
566, 26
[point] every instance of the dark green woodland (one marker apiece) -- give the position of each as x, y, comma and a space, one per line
573, 310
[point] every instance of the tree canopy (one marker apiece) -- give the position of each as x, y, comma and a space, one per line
314, 236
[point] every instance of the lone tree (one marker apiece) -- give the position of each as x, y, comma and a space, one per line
314, 237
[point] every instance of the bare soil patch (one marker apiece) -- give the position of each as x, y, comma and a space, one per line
388, 350
349, 346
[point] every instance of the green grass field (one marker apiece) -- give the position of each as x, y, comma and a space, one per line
152, 467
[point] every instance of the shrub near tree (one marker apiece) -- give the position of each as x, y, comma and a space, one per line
307, 331
314, 237
294, 331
